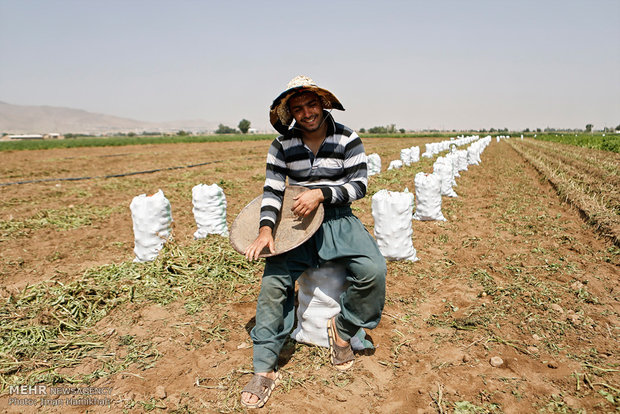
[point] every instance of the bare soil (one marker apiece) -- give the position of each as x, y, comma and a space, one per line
514, 273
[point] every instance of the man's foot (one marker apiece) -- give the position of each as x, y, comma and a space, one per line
259, 389
340, 352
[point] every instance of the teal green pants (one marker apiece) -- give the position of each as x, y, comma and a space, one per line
341, 238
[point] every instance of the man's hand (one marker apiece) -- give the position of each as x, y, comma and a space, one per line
265, 238
306, 202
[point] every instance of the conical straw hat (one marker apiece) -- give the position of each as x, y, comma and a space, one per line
279, 114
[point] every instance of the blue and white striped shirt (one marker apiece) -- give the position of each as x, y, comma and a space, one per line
338, 169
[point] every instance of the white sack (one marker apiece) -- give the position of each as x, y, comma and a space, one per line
318, 296
152, 218
415, 154
392, 213
374, 164
405, 156
395, 165
209, 210
429, 150
472, 158
444, 170
462, 163
453, 157
428, 197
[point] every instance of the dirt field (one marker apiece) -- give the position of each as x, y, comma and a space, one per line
514, 273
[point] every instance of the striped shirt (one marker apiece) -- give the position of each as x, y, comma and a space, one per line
338, 169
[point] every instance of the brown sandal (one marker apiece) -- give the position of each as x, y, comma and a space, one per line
341, 356
261, 387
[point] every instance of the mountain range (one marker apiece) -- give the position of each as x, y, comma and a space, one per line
30, 119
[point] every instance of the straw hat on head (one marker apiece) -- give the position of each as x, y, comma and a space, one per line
279, 114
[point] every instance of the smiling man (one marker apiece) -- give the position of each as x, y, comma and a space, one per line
328, 158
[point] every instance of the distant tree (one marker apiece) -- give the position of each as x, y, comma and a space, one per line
538, 130
131, 134
618, 128
223, 129
378, 130
182, 133
363, 130
526, 130
589, 127
244, 126
402, 130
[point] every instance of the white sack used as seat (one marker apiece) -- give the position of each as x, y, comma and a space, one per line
209, 210
318, 295
392, 213
152, 219
428, 197
374, 164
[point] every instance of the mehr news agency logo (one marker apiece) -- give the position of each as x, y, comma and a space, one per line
40, 395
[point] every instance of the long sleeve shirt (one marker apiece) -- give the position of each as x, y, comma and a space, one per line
338, 169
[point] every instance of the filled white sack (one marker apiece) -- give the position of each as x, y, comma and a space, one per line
209, 210
152, 219
428, 197
453, 157
392, 213
472, 156
462, 163
430, 150
415, 154
443, 168
395, 165
319, 301
374, 164
405, 156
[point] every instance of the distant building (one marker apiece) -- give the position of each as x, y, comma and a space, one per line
25, 136
22, 137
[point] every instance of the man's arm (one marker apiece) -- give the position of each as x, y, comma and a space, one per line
273, 194
306, 202
275, 183
356, 174
265, 238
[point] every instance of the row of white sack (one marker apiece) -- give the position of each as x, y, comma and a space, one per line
393, 211
471, 155
152, 218
411, 155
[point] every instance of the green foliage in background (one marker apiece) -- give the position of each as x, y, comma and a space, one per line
608, 142
121, 141
225, 129
244, 126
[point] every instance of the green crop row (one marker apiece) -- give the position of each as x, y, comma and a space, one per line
121, 141
605, 142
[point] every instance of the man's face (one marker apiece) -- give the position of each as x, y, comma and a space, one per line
307, 110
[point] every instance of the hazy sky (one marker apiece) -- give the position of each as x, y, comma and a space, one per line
417, 64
